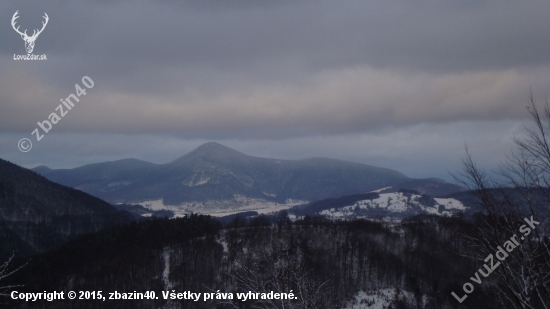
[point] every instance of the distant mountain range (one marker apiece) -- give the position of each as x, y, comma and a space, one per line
217, 179
37, 215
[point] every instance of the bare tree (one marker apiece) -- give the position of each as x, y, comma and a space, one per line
279, 273
519, 193
5, 271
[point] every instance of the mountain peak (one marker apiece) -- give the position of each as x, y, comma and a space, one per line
211, 151
213, 146
216, 149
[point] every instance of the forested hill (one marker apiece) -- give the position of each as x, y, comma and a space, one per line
412, 265
37, 214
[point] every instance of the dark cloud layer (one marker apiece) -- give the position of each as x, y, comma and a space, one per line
273, 72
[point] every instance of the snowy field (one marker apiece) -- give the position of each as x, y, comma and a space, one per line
398, 202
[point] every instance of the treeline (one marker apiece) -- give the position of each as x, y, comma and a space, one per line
328, 261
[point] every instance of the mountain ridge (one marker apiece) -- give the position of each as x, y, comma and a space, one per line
37, 214
216, 176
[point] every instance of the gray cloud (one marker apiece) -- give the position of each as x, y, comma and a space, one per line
273, 72
330, 102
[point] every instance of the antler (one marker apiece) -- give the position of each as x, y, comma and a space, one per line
13, 24
43, 26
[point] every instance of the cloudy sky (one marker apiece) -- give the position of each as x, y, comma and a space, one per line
400, 84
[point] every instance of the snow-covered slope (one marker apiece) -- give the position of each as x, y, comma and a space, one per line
397, 204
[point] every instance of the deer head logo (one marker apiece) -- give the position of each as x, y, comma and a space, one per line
29, 40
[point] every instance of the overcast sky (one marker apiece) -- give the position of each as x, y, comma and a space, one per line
399, 84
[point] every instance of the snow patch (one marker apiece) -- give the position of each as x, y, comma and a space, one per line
450, 203
379, 299
166, 271
219, 208
221, 240
397, 202
197, 180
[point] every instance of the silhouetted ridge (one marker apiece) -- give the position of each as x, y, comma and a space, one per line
32, 206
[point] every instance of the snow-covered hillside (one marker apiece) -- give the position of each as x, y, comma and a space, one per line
397, 204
